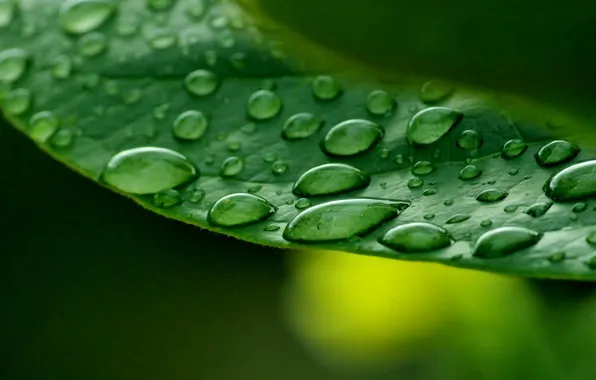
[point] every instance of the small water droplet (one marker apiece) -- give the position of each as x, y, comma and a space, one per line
232, 166
254, 189
240, 210
159, 112
591, 238
341, 220
167, 198
429, 216
415, 182
380, 103
148, 170
127, 28
510, 208
458, 218
163, 39
513, 172
92, 44
301, 126
63, 138
384, 153
83, 16
61, 67
557, 257
160, 5
234, 146
556, 153
416, 238
279, 168
573, 183
248, 128
43, 125
429, 192
18, 101
201, 82
303, 203
190, 126
269, 157
579, 207
513, 149
504, 241
263, 105
448, 202
486, 223
491, 195
423, 168
7, 11
132, 96
470, 172
435, 91
538, 209
326, 88
330, 179
272, 228
352, 137
469, 140
197, 196
399, 159
430, 125
13, 64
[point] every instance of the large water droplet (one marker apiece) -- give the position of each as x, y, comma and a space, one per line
326, 88
538, 209
13, 64
556, 153
423, 168
504, 241
341, 220
380, 103
470, 172
469, 140
429, 125
16, 102
416, 237
232, 166
513, 149
435, 91
301, 126
190, 126
43, 125
263, 105
240, 209
148, 170
330, 179
92, 44
7, 11
167, 198
352, 137
491, 195
201, 82
82, 16
573, 183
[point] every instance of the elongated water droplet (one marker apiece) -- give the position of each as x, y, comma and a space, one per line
190, 126
167, 198
263, 105
7, 11
201, 82
504, 241
591, 238
326, 88
458, 218
160, 5
469, 140
148, 170
557, 257
341, 220
163, 40
429, 125
429, 192
83, 16
13, 64
301, 126
556, 153
255, 189
43, 125
330, 179
491, 195
510, 208
486, 223
416, 238
429, 216
538, 209
573, 183
232, 166
303, 203
380, 103
448, 202
513, 149
197, 196
92, 44
61, 67
423, 168
352, 137
240, 209
16, 102
415, 182
470, 172
579, 207
435, 91
272, 228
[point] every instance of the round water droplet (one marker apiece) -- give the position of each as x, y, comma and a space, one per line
92, 44
435, 91
380, 103
557, 257
301, 126
63, 138
504, 241
538, 209
197, 196
190, 126
263, 105
429, 125
513, 149
491, 195
458, 218
83, 16
326, 88
234, 146
591, 238
43, 125
470, 172
167, 198
576, 182
352, 137
7, 11
556, 153
469, 140
579, 207
429, 192
423, 168
330, 179
201, 82
13, 64
232, 166
160, 5
415, 182
303, 203
18, 101
416, 238
148, 170
61, 67
269, 157
279, 168
240, 210
341, 220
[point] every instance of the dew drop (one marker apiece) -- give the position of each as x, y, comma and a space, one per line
148, 170
435, 91
232, 166
13, 64
92, 44
234, 146
279, 168
429, 192
384, 153
159, 112
263, 105
61, 67
469, 140
491, 195
83, 16
486, 223
556, 153
380, 103
190, 126
163, 40
352, 137
197, 196
160, 5
504, 241
557, 257
240, 209
458, 218
301, 126
579, 207
429, 216
416, 238
399, 159
470, 172
448, 202
341, 220
272, 228
513, 172
326, 88
63, 138
575, 182
254, 189
43, 125
513, 149
538, 209
7, 11
18, 101
591, 238
201, 82
248, 128
330, 179
167, 198
303, 203
510, 208
269, 157
430, 125
423, 168
415, 182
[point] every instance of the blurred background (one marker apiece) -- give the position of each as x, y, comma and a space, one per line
94, 287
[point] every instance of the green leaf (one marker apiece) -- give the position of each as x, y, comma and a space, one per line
191, 113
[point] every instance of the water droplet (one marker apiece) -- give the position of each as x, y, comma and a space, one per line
7, 11
486, 223
63, 138
458, 218
92, 44
279, 168
591, 238
197, 196
301, 126
83, 16
380, 103
272, 228
13, 64
435, 91
160, 5
330, 179
167, 198
159, 112
163, 39
448, 202
510, 208
556, 153
132, 96
513, 149
416, 238
429, 125
557, 257
429, 216
234, 146
196, 10
201, 82
43, 125
573, 183
504, 241
269, 157
352, 137
254, 189
326, 88
263, 105
240, 210
415, 182
248, 128
399, 159
303, 203
513, 172
61, 67
491, 195
384, 153
190, 126
579, 207
470, 172
148, 170
341, 220
469, 140
538, 209
127, 28
232, 166
423, 168
429, 192
18, 101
